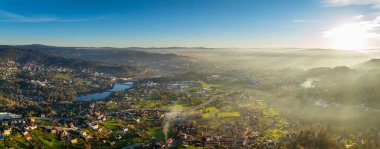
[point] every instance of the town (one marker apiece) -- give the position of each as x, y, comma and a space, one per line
156, 115
59, 106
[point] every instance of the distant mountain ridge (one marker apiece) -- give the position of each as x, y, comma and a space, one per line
114, 56
24, 56
88, 52
41, 46
371, 64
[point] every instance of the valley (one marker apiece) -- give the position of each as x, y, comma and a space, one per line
70, 102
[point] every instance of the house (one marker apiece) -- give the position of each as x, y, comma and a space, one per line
215, 76
31, 127
27, 136
74, 141
255, 134
102, 118
211, 139
94, 127
32, 120
6, 115
65, 133
71, 125
113, 143
271, 144
125, 130
85, 135
349, 145
53, 131
227, 140
7, 132
170, 140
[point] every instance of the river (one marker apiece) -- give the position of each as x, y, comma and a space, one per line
104, 94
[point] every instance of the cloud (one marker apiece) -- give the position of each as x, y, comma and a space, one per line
375, 3
307, 21
358, 17
367, 29
6, 16
357, 35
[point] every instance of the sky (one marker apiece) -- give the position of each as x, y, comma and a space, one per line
192, 23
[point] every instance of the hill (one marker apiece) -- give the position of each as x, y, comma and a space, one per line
48, 58
125, 56
371, 64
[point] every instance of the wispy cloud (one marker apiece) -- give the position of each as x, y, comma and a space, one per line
6, 16
307, 21
375, 3
358, 17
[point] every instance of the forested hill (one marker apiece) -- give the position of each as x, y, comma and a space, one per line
371, 64
49, 58
124, 56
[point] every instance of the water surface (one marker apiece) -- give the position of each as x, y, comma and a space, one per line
104, 94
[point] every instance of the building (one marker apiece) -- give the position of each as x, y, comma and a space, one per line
6, 115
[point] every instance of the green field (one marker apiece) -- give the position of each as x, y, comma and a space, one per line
68, 77
64, 76
206, 85
148, 104
276, 133
213, 112
111, 125
157, 133
48, 140
220, 115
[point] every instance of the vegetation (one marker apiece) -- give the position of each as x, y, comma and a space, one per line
204, 104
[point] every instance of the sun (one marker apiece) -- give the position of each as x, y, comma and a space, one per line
354, 36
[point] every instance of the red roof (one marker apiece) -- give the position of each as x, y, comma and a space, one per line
170, 140
27, 136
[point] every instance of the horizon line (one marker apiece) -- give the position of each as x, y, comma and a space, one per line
178, 47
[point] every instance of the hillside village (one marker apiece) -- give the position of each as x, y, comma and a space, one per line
147, 108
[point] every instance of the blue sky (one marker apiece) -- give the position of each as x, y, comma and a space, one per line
160, 23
